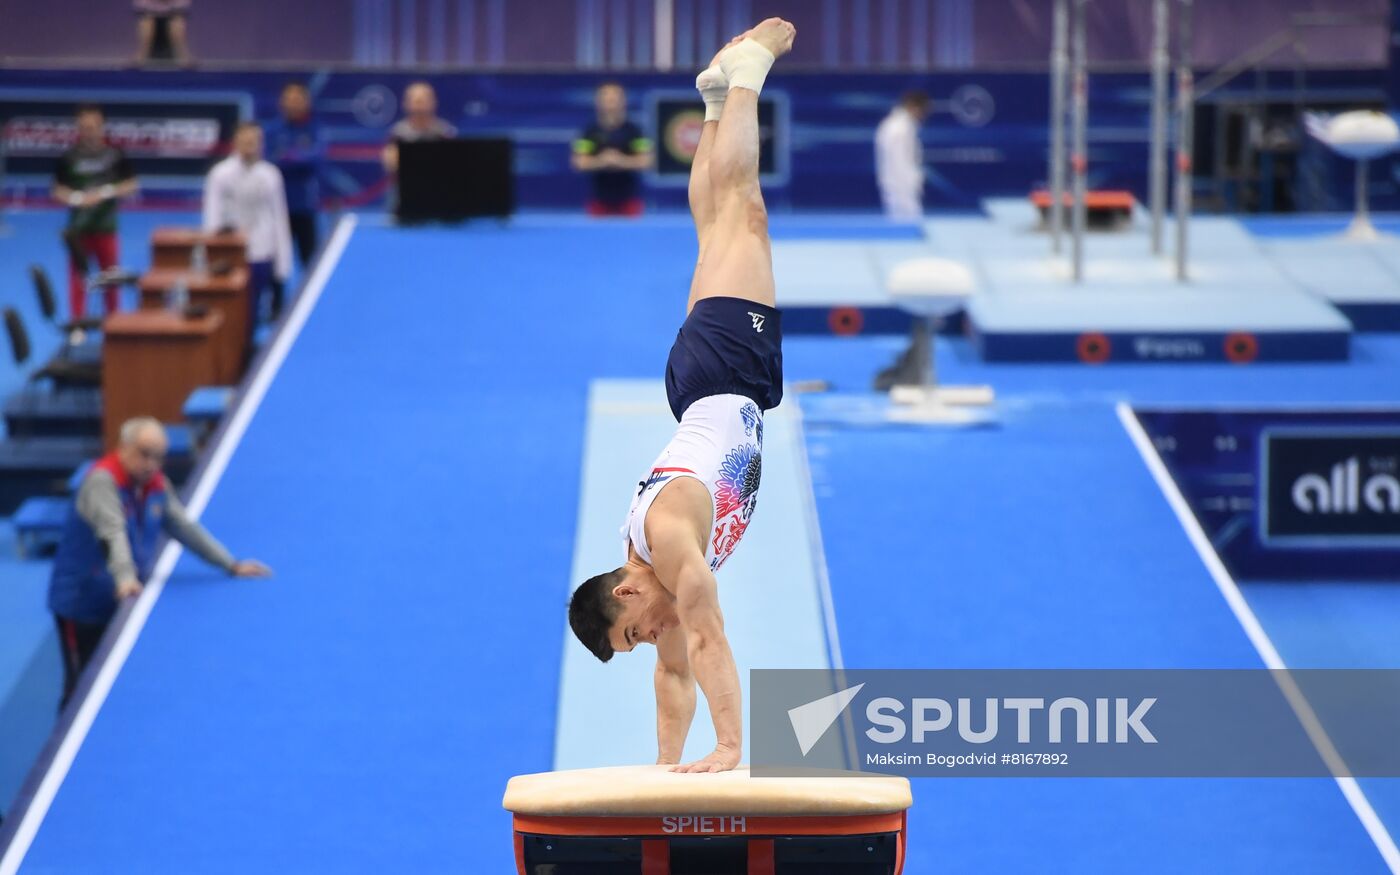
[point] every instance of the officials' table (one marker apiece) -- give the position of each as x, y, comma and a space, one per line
173, 247
151, 361
227, 293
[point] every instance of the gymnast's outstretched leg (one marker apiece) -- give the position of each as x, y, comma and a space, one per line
713, 86
735, 260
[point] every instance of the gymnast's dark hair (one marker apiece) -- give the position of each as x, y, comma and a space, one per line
592, 611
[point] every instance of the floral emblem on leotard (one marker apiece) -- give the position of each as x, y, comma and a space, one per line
737, 486
752, 420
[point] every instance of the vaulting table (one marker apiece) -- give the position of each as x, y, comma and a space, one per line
647, 820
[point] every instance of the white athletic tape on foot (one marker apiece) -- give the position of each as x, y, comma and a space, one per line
713, 86
746, 64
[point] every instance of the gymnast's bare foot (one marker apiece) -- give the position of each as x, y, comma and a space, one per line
775, 35
723, 759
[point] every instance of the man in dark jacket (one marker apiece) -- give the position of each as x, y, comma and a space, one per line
614, 151
109, 545
295, 144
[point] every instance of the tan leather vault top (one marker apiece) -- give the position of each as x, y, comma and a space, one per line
639, 791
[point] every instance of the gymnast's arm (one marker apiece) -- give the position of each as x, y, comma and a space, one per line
680, 565
675, 696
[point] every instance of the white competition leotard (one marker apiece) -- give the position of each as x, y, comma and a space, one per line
720, 443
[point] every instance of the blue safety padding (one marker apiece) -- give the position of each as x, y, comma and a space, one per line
207, 403
181, 438
845, 320
1163, 347
1372, 316
41, 513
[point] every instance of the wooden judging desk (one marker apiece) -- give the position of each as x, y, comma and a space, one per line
151, 361
174, 247
648, 820
227, 294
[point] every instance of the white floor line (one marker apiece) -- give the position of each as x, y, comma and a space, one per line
833, 641
1260, 639
823, 576
141, 611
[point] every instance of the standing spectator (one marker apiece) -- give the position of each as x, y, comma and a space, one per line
614, 151
419, 124
92, 177
295, 145
245, 193
109, 544
899, 158
160, 31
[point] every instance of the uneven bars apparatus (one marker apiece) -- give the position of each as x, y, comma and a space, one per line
1161, 68
1079, 158
1157, 195
1185, 104
1059, 63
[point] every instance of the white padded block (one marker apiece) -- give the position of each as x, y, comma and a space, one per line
1359, 134
930, 286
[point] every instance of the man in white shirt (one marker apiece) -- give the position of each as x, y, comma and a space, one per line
899, 158
244, 193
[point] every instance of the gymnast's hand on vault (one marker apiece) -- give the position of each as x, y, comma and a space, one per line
722, 760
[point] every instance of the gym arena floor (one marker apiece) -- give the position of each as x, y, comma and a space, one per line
407, 456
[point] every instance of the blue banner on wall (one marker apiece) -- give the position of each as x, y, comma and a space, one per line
1290, 494
987, 134
164, 134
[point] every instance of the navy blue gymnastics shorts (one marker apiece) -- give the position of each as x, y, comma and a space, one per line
727, 346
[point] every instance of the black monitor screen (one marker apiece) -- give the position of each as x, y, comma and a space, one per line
449, 180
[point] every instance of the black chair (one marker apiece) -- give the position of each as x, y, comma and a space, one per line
48, 304
62, 372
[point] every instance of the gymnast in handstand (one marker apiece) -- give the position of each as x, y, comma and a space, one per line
725, 369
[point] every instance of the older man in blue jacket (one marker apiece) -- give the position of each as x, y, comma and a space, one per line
109, 544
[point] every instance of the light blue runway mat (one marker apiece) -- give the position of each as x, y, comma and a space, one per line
771, 589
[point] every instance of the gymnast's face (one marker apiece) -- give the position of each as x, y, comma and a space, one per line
648, 611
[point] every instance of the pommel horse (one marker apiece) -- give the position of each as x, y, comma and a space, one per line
647, 820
